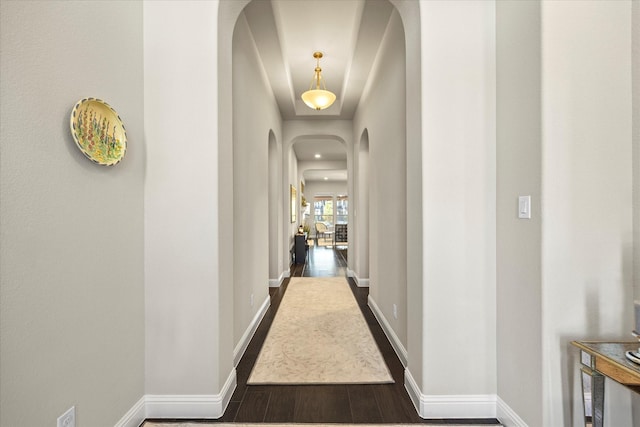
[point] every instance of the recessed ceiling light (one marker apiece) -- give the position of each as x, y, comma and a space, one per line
326, 178
317, 156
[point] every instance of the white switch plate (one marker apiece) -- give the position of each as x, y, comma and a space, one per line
68, 419
524, 207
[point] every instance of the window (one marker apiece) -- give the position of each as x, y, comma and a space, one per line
342, 210
323, 210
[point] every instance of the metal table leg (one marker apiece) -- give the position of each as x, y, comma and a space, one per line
593, 397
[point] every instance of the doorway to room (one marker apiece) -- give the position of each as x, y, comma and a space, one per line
388, 153
326, 219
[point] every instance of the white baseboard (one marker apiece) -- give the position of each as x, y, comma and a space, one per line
275, 283
180, 406
191, 406
184, 406
135, 416
286, 273
412, 388
508, 416
241, 347
360, 281
227, 390
389, 332
450, 406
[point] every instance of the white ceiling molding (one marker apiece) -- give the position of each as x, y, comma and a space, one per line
348, 32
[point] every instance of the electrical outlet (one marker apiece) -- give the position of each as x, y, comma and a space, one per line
395, 311
251, 300
68, 419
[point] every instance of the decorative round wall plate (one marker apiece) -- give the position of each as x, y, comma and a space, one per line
98, 131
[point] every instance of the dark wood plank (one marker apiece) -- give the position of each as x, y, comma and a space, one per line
253, 407
322, 404
390, 405
231, 412
364, 407
282, 405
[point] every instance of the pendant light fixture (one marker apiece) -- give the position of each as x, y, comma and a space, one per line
318, 98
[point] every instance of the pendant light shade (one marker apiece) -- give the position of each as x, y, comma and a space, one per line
319, 97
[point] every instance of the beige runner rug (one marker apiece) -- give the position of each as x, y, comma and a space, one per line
319, 336
188, 424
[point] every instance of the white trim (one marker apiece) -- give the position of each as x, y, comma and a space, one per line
184, 406
450, 406
389, 332
275, 283
191, 406
135, 416
508, 416
361, 282
227, 390
459, 406
286, 273
241, 347
412, 388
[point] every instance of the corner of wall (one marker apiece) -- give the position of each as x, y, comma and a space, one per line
507, 416
180, 406
450, 406
135, 416
242, 345
389, 332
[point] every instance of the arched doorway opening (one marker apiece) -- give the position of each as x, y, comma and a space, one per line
326, 177
409, 13
361, 213
275, 213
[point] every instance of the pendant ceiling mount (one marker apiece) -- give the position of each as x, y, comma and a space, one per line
318, 98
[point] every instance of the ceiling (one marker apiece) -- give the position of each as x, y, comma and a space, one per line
330, 150
348, 32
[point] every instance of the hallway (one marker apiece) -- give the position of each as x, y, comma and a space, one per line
339, 403
322, 261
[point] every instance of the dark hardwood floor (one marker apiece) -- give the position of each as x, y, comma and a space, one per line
366, 403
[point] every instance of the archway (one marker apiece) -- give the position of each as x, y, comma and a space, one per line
362, 211
325, 179
410, 16
275, 212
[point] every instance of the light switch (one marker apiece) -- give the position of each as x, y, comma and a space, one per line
524, 207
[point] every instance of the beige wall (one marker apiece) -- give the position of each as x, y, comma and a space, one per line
183, 263
519, 294
255, 114
459, 200
636, 144
587, 262
411, 20
71, 258
635, 26
382, 112
564, 137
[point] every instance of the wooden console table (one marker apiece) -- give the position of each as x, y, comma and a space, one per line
600, 360
300, 247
